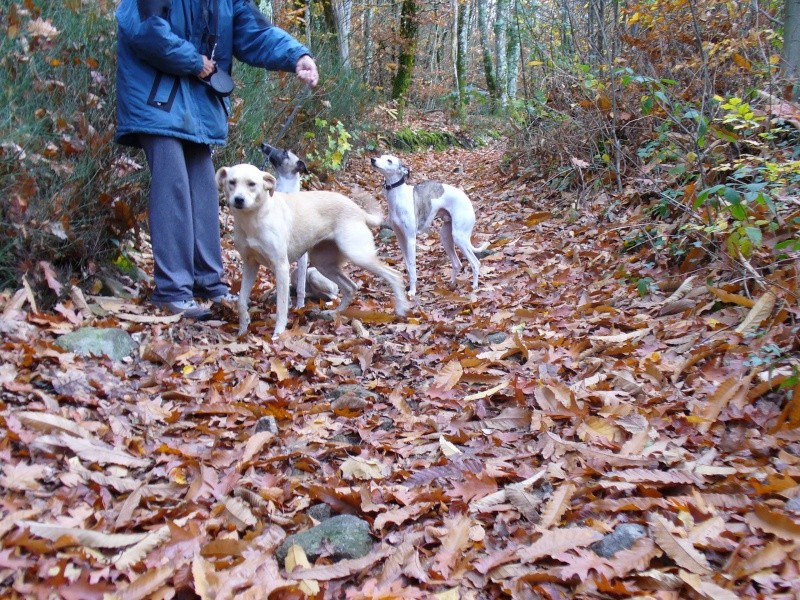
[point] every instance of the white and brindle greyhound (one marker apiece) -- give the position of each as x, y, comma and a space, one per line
412, 209
288, 169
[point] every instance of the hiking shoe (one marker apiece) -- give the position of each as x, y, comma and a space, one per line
188, 308
228, 298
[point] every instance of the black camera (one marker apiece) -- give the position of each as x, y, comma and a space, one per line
219, 81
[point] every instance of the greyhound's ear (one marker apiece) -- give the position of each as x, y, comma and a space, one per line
301, 167
222, 175
405, 169
269, 183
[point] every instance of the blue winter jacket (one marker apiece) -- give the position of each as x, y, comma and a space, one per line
159, 52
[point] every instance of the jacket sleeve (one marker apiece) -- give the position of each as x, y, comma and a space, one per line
259, 43
151, 39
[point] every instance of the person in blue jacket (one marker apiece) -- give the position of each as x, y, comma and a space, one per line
169, 52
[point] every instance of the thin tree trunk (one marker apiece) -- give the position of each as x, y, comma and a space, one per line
790, 55
342, 14
462, 51
513, 52
486, 48
500, 40
408, 36
265, 6
368, 47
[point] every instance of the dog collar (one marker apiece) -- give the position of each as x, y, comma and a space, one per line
398, 183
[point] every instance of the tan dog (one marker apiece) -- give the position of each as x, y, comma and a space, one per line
274, 229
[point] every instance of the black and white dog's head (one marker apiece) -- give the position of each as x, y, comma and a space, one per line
285, 162
391, 167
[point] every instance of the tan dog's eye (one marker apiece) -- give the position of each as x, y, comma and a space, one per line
232, 182
251, 184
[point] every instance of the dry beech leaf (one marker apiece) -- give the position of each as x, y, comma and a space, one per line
771, 555
683, 289
501, 496
774, 522
448, 376
84, 537
707, 589
363, 469
558, 505
722, 396
619, 338
448, 448
453, 543
254, 445
205, 578
295, 558
142, 548
93, 451
149, 582
678, 549
240, 511
731, 298
760, 311
527, 504
47, 422
343, 568
556, 541
487, 393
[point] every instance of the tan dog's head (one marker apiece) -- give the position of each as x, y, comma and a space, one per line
245, 187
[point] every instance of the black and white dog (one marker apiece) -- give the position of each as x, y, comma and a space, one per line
412, 209
308, 281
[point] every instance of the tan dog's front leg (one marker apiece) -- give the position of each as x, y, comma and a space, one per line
249, 273
282, 292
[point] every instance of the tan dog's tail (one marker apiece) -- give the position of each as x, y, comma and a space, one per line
370, 205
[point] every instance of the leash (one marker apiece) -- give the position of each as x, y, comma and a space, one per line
293, 114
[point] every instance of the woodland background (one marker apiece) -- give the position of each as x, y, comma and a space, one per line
626, 377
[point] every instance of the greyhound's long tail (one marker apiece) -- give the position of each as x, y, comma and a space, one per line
370, 204
482, 247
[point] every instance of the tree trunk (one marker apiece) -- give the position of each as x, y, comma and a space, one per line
462, 50
486, 47
368, 47
500, 40
408, 37
342, 18
513, 52
265, 6
790, 55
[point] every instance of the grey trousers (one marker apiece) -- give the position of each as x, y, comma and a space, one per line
183, 214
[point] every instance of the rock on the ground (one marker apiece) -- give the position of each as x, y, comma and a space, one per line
622, 538
346, 536
94, 341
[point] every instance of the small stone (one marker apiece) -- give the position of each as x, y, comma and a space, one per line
319, 512
267, 424
116, 344
497, 338
346, 536
622, 538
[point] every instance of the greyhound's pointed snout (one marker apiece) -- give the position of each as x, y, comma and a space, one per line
372, 160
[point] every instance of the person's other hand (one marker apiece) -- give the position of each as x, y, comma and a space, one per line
306, 70
208, 68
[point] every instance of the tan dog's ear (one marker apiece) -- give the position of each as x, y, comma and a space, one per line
221, 177
269, 183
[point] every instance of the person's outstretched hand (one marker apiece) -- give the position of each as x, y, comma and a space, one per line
306, 70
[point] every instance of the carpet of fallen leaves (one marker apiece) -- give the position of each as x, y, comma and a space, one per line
489, 440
